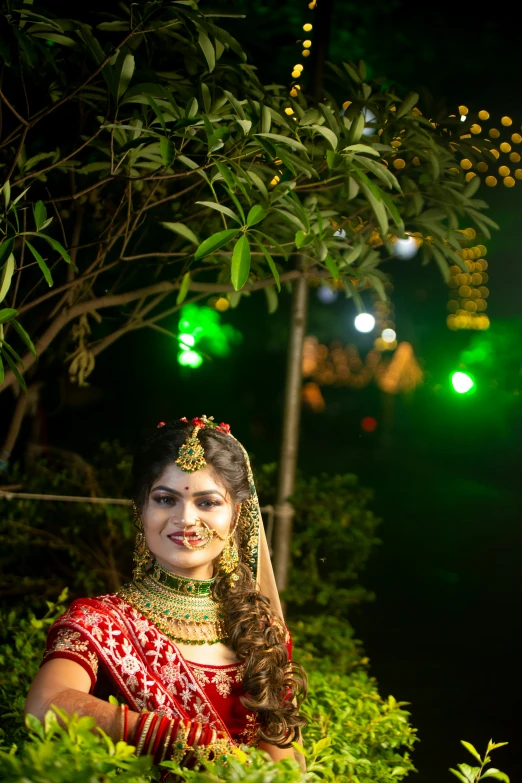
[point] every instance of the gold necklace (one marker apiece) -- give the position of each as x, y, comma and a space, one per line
182, 608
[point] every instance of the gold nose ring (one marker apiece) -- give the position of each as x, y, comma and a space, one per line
209, 533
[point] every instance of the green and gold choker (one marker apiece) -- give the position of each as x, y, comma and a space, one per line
182, 608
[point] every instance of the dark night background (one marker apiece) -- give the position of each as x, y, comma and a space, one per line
443, 632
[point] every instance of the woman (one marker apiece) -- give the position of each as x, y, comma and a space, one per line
195, 648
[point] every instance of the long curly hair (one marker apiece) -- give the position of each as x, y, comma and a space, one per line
274, 685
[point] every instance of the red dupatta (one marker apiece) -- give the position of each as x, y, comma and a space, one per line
144, 664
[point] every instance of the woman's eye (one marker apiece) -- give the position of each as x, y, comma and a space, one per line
164, 500
208, 503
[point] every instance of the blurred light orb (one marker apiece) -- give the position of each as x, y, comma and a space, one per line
187, 339
369, 117
389, 335
365, 322
190, 359
462, 382
369, 424
340, 233
326, 295
405, 248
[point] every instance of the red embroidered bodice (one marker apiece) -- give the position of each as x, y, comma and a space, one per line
127, 656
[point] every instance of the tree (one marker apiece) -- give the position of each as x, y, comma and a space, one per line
145, 165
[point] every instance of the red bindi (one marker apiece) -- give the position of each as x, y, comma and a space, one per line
187, 487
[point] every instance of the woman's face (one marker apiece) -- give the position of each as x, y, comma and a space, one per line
176, 502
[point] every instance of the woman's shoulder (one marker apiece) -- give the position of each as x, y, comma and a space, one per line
88, 608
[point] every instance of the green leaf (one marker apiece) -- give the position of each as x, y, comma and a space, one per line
41, 263
256, 215
6, 276
14, 368
459, 775
271, 264
183, 231
496, 774
214, 242
157, 111
6, 192
25, 337
240, 262
332, 267
183, 289
235, 103
6, 249
302, 239
266, 119
356, 129
7, 314
219, 208
468, 745
328, 134
472, 187
273, 242
353, 73
207, 49
40, 214
56, 246
407, 105
446, 274
292, 218
167, 150
362, 148
276, 137
394, 212
127, 71
378, 208
2, 373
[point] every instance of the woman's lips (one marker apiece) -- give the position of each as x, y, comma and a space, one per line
177, 538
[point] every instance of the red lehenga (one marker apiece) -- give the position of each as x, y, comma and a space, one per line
127, 656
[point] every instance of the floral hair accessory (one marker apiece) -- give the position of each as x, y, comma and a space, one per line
223, 427
161, 424
184, 418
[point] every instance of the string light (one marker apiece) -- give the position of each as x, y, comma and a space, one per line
467, 290
364, 322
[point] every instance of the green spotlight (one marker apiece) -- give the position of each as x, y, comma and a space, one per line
187, 339
462, 382
190, 359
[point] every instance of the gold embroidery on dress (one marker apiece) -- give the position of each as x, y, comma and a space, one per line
70, 641
223, 679
249, 734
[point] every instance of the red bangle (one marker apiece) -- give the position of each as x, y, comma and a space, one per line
160, 736
151, 735
139, 726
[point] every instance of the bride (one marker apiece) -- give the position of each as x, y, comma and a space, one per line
194, 648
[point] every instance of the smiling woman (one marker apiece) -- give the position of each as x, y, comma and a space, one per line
195, 647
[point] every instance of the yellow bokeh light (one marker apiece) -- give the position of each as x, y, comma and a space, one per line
346, 104
494, 133
495, 153
483, 250
504, 171
470, 175
509, 182
307, 27
514, 157
416, 161
505, 147
518, 173
222, 304
475, 129
483, 115
293, 92
516, 138
307, 44
399, 163
466, 164
296, 74
491, 182
289, 111
298, 67
305, 52
274, 180
464, 291
463, 110
453, 306
506, 121
482, 166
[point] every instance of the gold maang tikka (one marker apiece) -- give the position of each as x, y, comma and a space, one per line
191, 454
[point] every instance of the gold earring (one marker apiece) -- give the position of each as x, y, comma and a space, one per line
229, 559
141, 555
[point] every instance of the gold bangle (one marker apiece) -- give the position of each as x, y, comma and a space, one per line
153, 737
144, 732
122, 722
180, 746
167, 741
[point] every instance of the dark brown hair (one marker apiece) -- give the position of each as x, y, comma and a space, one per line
274, 686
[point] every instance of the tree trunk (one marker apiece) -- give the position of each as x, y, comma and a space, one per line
284, 511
